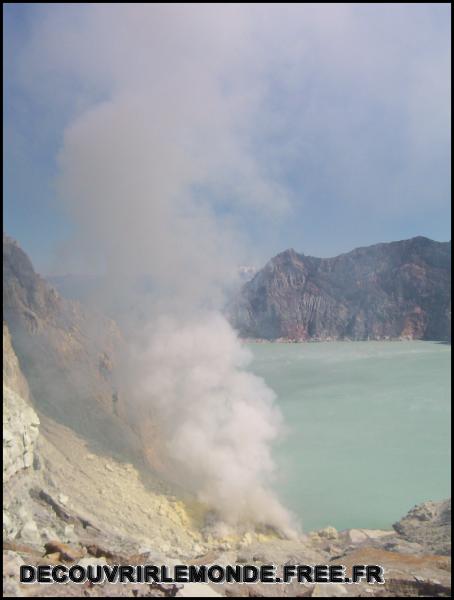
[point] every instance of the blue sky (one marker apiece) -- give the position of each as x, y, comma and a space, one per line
317, 127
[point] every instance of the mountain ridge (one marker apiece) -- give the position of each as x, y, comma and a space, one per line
388, 290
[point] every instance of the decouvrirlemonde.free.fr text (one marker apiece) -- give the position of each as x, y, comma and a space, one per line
201, 574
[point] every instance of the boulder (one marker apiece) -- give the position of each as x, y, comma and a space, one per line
428, 524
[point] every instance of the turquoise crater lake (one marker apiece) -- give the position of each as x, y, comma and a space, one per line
368, 428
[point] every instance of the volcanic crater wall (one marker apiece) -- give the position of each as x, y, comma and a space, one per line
393, 290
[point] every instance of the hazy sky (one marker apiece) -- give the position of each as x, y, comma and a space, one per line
317, 127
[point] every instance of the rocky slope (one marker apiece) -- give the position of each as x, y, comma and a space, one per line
67, 354
394, 290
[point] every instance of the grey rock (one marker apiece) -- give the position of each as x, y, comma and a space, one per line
29, 533
20, 421
400, 289
428, 524
60, 346
11, 565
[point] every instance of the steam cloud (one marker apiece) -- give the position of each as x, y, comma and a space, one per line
215, 421
140, 174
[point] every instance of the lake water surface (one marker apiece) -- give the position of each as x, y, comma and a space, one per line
368, 428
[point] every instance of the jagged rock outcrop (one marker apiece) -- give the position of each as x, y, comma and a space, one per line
67, 355
20, 432
429, 525
20, 440
394, 290
20, 421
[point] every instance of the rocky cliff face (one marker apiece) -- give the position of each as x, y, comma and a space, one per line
66, 353
399, 289
20, 421
20, 448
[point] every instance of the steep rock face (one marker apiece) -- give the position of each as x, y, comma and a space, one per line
20, 421
21, 437
20, 432
66, 353
399, 289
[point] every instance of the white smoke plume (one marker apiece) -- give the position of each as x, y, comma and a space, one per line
140, 174
214, 421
